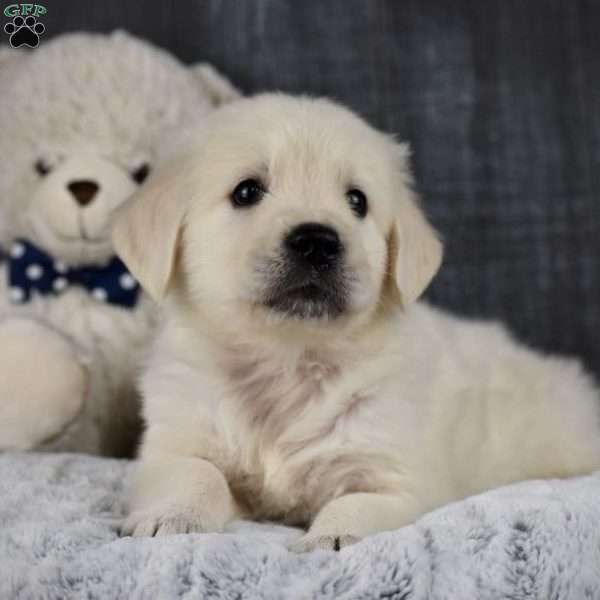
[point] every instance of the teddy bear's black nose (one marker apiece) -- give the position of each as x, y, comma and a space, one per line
83, 191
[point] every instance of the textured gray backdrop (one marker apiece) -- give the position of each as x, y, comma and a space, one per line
499, 99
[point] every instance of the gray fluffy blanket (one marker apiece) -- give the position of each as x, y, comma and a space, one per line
58, 540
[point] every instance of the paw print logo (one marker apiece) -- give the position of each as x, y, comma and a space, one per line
24, 31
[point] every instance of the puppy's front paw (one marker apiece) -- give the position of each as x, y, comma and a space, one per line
312, 541
148, 523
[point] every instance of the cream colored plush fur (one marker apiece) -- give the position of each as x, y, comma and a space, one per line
85, 107
349, 425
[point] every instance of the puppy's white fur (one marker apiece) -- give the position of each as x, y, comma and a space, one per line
351, 425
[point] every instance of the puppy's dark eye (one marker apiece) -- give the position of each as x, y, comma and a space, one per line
141, 173
41, 167
358, 202
247, 193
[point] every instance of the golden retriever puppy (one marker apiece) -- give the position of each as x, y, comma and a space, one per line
295, 377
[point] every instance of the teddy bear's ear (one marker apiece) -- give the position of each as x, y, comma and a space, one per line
10, 58
219, 88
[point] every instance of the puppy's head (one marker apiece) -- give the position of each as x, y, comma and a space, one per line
291, 211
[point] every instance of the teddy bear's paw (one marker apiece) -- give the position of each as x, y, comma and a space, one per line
154, 522
43, 384
310, 542
24, 32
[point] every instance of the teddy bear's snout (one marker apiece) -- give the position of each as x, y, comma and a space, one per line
83, 191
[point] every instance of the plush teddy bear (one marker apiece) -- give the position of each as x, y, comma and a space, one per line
84, 120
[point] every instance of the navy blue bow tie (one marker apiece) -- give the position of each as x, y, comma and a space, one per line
31, 270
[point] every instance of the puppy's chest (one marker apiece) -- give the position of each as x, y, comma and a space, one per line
286, 455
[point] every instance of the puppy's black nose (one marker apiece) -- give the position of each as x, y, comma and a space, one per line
83, 191
315, 244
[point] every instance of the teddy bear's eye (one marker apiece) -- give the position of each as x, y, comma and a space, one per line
42, 167
141, 173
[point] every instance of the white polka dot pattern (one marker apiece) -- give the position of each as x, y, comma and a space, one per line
127, 282
59, 284
17, 250
31, 272
16, 294
60, 267
34, 272
100, 294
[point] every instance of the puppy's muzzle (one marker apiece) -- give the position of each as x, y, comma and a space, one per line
308, 279
314, 245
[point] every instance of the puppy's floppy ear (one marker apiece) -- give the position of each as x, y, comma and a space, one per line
415, 249
147, 228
